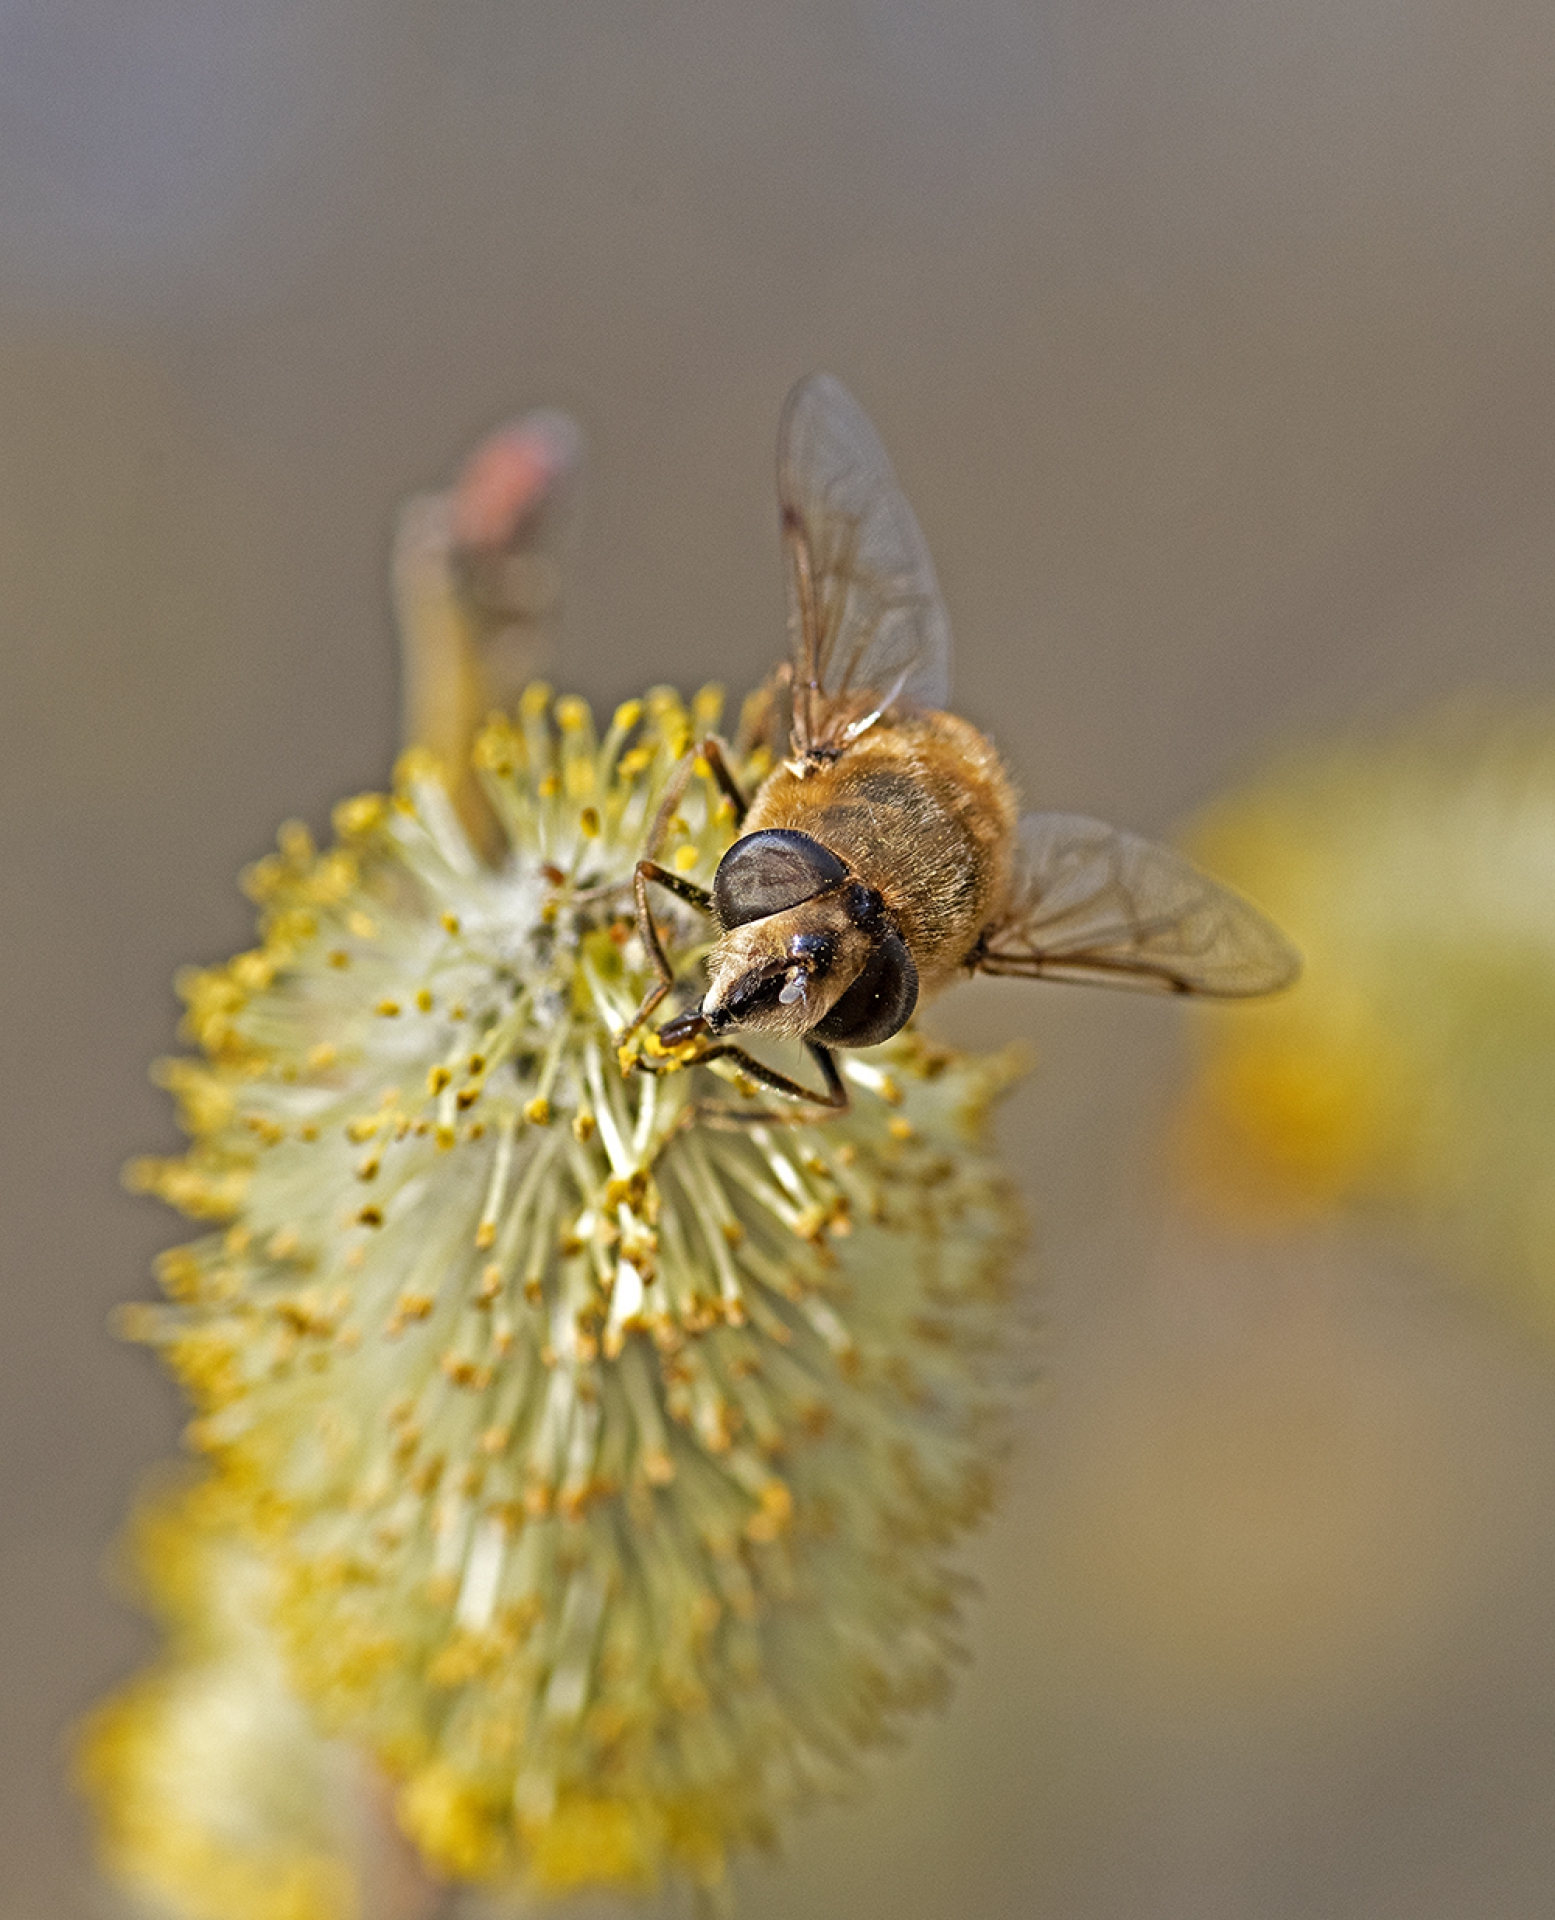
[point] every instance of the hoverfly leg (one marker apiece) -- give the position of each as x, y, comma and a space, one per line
674, 793
712, 752
834, 1100
837, 1097
685, 889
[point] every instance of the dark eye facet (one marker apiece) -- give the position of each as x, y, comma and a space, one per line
770, 871
880, 1001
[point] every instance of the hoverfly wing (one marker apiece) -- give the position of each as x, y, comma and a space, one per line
1094, 903
866, 623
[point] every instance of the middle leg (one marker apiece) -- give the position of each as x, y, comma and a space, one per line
684, 889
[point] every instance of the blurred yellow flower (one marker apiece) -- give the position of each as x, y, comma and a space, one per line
216, 1798
600, 1456
1412, 1069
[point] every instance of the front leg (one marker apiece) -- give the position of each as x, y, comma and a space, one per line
834, 1100
686, 890
691, 1026
712, 752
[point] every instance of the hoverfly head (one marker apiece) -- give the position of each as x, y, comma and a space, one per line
802, 937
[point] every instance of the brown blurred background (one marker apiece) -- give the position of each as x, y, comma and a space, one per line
1213, 341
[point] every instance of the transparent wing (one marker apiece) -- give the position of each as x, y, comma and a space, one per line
866, 622
1093, 903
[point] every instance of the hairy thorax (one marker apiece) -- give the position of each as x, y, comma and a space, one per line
921, 809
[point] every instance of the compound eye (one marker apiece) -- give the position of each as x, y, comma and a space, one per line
880, 1001
767, 872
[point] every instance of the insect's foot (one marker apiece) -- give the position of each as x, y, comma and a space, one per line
648, 1053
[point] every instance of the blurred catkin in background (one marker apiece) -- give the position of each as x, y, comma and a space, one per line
1411, 1079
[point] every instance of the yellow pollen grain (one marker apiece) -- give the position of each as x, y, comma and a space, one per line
634, 761
548, 786
424, 1000
491, 1281
253, 971
361, 924
450, 923
370, 1217
685, 859
338, 957
438, 1079
777, 1508
389, 1009
295, 841
901, 1129
583, 1125
321, 1056
363, 1129
360, 815
538, 1111
627, 715
588, 823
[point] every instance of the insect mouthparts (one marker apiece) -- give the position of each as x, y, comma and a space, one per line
798, 980
687, 1026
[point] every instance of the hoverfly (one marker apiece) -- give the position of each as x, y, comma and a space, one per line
884, 857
